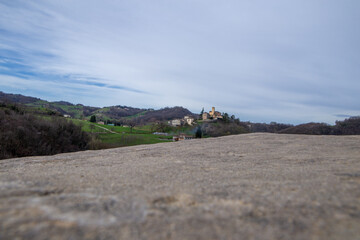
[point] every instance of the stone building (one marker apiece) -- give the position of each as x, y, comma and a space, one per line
205, 116
182, 136
212, 114
179, 122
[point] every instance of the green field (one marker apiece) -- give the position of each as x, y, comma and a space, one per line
123, 136
121, 129
74, 110
105, 136
86, 126
126, 139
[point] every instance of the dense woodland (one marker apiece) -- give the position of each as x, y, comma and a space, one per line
264, 127
163, 114
24, 134
221, 128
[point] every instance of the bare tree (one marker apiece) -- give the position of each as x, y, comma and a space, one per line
131, 124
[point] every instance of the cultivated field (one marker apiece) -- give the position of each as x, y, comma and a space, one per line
250, 186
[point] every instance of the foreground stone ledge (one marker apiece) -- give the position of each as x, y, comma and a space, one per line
251, 186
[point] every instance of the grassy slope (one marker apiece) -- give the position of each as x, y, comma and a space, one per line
124, 136
136, 115
127, 139
86, 126
75, 111
100, 114
139, 135
38, 106
135, 130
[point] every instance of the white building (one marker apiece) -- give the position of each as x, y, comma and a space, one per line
189, 120
175, 122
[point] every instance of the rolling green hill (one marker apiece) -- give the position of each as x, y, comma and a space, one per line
118, 113
29, 130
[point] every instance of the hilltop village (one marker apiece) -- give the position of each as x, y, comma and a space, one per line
189, 120
212, 115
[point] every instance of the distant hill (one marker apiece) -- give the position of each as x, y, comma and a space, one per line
111, 113
164, 114
273, 127
309, 128
117, 112
17, 98
123, 114
349, 126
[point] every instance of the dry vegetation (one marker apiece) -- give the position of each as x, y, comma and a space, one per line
24, 134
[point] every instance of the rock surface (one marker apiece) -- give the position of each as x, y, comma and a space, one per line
253, 186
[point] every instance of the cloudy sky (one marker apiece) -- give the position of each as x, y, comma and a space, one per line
286, 61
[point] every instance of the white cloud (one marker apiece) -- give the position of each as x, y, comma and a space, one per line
258, 60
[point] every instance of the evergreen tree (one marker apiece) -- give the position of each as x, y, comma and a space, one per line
93, 118
226, 117
201, 113
198, 133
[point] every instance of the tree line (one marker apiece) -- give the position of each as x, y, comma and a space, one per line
349, 126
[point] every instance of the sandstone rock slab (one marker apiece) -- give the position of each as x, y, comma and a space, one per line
251, 186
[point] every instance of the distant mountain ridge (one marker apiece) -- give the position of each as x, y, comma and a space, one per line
17, 98
124, 115
111, 113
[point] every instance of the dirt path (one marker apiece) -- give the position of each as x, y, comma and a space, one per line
251, 186
108, 130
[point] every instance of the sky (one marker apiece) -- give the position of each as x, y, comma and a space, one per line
286, 61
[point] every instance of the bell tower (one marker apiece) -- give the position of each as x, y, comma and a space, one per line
212, 113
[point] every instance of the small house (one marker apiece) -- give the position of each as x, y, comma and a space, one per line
175, 122
181, 137
189, 120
